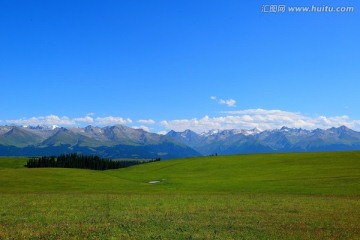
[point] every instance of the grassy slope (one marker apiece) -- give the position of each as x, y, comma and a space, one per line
305, 173
265, 196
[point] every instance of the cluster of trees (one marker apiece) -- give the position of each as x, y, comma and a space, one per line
213, 155
80, 161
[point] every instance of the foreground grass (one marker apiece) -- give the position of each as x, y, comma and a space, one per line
265, 196
118, 216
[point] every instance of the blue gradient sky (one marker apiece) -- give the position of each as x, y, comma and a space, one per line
164, 60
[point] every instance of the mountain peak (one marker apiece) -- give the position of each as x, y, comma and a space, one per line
188, 131
256, 130
343, 128
211, 132
340, 130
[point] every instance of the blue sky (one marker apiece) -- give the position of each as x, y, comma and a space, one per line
178, 64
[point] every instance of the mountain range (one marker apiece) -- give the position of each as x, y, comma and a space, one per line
278, 140
124, 142
111, 142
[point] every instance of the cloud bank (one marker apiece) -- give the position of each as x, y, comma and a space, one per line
145, 128
259, 118
66, 121
242, 119
147, 121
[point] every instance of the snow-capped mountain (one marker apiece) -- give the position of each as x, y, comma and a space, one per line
112, 141
277, 140
228, 132
124, 142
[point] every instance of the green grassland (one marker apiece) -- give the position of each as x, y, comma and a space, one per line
259, 196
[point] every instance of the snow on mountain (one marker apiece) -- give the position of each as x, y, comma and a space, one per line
209, 133
231, 132
4, 129
252, 131
110, 142
42, 127
231, 141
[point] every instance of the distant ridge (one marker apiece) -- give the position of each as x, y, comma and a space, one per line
124, 142
286, 139
111, 142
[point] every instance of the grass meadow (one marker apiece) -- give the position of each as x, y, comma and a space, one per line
259, 196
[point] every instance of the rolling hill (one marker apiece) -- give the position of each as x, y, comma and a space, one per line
255, 196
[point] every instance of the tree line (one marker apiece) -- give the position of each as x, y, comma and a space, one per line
80, 161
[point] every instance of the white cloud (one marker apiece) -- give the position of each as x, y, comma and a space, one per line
86, 119
112, 120
66, 121
229, 102
147, 121
260, 118
242, 119
145, 128
162, 132
46, 120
